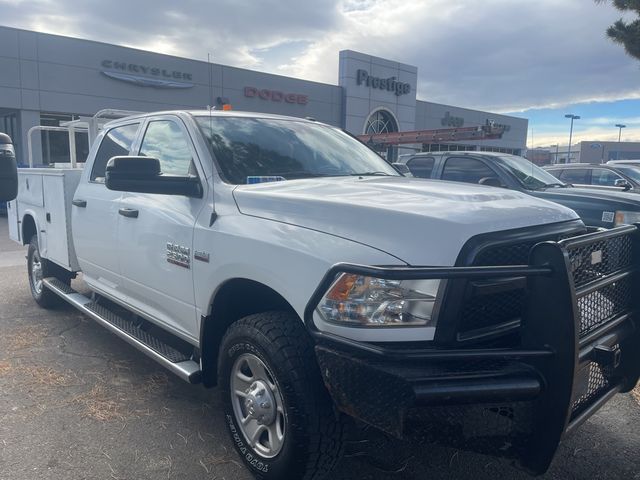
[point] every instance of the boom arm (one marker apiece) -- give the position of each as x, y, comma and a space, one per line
481, 132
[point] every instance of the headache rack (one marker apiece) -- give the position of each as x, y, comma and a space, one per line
577, 345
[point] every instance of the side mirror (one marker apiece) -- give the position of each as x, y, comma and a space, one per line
8, 170
491, 182
143, 175
402, 168
621, 182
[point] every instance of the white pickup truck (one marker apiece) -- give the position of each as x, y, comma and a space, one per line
284, 261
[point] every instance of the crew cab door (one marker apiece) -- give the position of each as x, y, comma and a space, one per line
155, 233
94, 213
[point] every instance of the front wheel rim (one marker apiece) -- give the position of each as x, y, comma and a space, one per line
36, 272
258, 405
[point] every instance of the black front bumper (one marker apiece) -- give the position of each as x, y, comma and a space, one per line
577, 345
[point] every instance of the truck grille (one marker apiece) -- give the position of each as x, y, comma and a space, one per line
603, 285
482, 311
595, 383
592, 262
494, 309
514, 254
589, 263
598, 307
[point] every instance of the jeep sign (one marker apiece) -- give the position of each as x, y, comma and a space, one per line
449, 121
390, 84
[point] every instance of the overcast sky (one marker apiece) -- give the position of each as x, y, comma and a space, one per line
536, 59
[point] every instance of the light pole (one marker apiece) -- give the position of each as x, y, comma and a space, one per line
572, 117
620, 127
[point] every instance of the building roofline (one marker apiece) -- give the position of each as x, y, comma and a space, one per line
472, 109
141, 50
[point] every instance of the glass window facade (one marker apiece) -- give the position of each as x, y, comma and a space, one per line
456, 147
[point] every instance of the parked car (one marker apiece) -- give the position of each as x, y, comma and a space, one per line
597, 208
285, 261
624, 162
615, 177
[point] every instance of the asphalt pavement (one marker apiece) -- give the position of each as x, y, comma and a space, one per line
76, 402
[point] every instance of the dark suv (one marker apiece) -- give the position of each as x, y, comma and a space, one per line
617, 177
597, 208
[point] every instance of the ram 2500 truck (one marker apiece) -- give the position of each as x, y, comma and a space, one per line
287, 263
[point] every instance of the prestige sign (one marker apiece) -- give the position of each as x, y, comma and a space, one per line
275, 95
389, 84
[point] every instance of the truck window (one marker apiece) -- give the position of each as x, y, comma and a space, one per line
468, 170
421, 167
575, 175
604, 177
556, 172
165, 141
116, 142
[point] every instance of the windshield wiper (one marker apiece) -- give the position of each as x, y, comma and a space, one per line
371, 174
300, 174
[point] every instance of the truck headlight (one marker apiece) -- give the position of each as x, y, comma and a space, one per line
624, 217
356, 300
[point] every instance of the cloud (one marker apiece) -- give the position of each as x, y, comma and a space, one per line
495, 54
230, 29
500, 55
628, 121
590, 134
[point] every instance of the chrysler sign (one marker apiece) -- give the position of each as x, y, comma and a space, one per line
389, 84
146, 76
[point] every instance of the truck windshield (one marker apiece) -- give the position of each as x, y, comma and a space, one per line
630, 171
253, 150
528, 174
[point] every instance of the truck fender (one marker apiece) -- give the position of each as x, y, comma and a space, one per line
29, 227
229, 304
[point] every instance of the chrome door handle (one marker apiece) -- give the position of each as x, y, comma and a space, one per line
128, 212
79, 203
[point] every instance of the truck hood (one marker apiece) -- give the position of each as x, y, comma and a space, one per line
421, 222
592, 195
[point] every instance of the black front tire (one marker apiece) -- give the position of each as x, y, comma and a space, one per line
314, 433
39, 268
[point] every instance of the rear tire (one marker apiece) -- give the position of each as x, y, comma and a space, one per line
271, 384
38, 269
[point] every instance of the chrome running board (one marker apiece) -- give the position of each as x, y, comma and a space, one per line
164, 354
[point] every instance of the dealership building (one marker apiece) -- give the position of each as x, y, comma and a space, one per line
48, 79
595, 152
